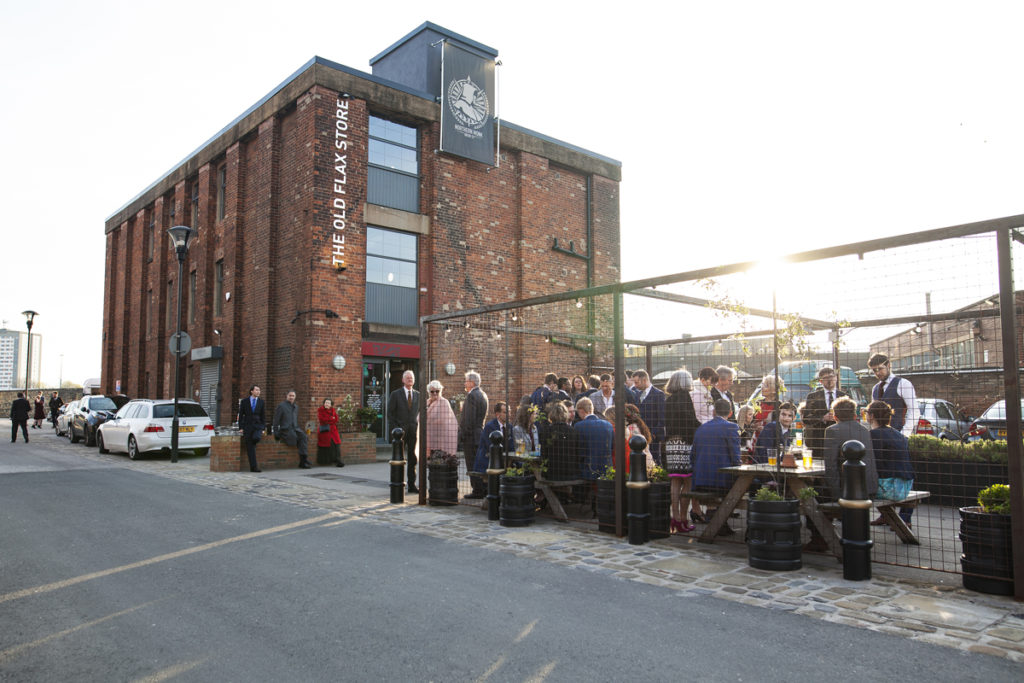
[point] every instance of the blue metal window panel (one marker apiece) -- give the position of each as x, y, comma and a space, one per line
391, 305
393, 189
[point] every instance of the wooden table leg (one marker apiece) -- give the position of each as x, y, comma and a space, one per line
552, 499
817, 517
729, 503
897, 524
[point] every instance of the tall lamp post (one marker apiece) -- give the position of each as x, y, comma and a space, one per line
180, 235
30, 317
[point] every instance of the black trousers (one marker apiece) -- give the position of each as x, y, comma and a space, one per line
250, 447
409, 441
14, 429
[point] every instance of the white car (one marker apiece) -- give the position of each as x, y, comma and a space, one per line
67, 411
144, 425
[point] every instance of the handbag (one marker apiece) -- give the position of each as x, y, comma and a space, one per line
893, 488
676, 454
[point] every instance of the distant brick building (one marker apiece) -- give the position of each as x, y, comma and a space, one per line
330, 194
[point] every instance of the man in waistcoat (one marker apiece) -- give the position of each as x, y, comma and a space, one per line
897, 391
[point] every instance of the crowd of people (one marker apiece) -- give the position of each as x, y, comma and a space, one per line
693, 428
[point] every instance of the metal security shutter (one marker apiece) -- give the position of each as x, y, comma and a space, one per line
209, 381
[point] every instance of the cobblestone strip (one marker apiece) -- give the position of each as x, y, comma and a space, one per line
943, 615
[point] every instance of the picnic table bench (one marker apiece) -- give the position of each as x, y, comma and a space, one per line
887, 509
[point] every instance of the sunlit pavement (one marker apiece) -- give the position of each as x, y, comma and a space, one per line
925, 606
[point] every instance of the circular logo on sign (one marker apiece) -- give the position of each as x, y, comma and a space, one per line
468, 102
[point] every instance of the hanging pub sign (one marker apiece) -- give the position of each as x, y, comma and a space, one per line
467, 104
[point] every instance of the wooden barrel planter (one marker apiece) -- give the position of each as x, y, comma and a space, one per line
443, 484
659, 502
987, 560
517, 506
773, 535
606, 505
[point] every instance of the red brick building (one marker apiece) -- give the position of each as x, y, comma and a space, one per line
331, 194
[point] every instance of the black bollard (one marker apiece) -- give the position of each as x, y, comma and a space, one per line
856, 508
495, 468
397, 466
638, 489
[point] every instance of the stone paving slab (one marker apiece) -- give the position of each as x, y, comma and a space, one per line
946, 615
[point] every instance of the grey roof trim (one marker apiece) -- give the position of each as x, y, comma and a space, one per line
429, 25
560, 143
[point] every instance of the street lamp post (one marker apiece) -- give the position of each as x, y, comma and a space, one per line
180, 235
30, 317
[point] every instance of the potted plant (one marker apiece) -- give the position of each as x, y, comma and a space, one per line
659, 502
605, 502
987, 560
517, 494
773, 530
357, 444
442, 478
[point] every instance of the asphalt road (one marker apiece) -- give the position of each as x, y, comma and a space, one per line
109, 574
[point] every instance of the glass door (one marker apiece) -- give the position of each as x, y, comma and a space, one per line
381, 376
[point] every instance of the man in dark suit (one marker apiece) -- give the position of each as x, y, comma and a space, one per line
594, 440
846, 428
471, 425
20, 409
716, 444
252, 420
403, 409
721, 388
652, 410
776, 434
483, 449
817, 415
286, 428
55, 404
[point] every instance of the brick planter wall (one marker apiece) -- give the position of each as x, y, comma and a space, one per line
227, 452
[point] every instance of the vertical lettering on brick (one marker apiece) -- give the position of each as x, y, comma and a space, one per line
339, 186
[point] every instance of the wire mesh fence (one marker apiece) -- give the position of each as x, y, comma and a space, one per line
914, 322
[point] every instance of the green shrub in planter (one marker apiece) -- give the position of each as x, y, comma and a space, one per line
995, 499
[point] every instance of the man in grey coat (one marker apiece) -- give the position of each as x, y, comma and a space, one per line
474, 412
846, 428
286, 428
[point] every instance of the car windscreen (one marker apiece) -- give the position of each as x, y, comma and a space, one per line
997, 411
795, 393
184, 410
102, 403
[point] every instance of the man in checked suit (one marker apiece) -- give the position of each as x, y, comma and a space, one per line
403, 409
252, 420
817, 413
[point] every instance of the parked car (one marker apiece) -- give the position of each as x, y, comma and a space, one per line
144, 425
940, 418
64, 416
92, 411
992, 423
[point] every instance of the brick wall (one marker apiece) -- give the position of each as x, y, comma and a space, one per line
7, 396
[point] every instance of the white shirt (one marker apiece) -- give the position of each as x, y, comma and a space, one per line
703, 403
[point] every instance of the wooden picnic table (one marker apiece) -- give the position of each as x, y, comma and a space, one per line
796, 479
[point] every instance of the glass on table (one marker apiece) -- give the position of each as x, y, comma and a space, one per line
772, 456
808, 460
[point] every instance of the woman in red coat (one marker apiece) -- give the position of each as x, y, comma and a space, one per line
328, 443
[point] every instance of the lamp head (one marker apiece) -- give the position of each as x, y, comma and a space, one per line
30, 317
180, 236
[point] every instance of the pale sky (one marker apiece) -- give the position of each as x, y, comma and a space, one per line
744, 128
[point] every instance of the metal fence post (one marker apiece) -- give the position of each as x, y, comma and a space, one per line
856, 506
638, 488
397, 466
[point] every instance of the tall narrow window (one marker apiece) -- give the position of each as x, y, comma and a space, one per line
391, 294
222, 188
192, 298
393, 174
195, 206
151, 240
149, 313
218, 287
170, 305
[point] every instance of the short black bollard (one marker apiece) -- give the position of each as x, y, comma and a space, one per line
638, 489
397, 466
495, 468
856, 508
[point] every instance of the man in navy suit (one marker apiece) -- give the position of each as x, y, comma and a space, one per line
716, 444
776, 434
252, 420
595, 440
652, 410
474, 412
483, 450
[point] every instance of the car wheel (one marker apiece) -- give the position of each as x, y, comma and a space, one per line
71, 434
99, 442
133, 448
201, 452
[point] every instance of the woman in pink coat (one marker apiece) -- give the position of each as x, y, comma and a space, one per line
442, 426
